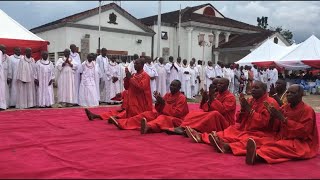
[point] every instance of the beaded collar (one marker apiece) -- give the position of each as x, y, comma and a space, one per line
44, 62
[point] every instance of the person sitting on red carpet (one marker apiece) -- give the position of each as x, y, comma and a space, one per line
138, 92
298, 137
170, 110
253, 120
118, 113
218, 110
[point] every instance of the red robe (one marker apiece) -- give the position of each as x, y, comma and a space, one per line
257, 125
297, 139
124, 105
139, 94
219, 116
174, 109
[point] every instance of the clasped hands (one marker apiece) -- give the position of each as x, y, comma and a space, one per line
275, 112
159, 99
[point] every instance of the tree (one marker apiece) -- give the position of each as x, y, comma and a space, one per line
287, 34
262, 22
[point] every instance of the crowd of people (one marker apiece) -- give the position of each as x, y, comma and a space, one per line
27, 83
274, 125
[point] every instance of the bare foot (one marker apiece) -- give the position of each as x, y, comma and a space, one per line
215, 143
251, 152
144, 126
114, 121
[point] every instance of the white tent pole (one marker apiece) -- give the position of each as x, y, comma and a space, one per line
99, 24
159, 28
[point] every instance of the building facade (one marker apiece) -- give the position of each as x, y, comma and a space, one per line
121, 33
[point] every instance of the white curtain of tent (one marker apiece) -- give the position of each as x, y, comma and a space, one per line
307, 50
268, 51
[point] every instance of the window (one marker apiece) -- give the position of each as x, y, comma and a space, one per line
51, 57
164, 35
275, 40
208, 11
60, 54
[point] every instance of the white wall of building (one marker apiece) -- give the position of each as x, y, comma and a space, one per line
57, 38
123, 23
111, 41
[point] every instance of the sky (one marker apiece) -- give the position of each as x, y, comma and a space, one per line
300, 17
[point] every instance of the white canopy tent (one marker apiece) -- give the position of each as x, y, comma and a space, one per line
308, 53
268, 52
13, 34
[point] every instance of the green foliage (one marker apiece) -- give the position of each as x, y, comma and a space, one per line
287, 34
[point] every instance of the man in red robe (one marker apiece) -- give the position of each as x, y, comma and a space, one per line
138, 91
253, 120
218, 110
169, 111
298, 136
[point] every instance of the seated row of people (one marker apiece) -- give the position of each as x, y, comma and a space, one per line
261, 130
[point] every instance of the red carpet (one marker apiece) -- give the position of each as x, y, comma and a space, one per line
62, 143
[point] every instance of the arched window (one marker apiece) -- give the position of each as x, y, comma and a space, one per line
275, 40
208, 11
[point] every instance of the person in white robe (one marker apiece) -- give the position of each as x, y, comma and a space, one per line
123, 65
210, 75
218, 70
256, 77
97, 77
193, 79
202, 76
131, 64
5, 68
237, 79
246, 77
112, 75
12, 75
178, 64
3, 80
273, 76
88, 91
231, 76
172, 72
44, 77
186, 79
76, 60
162, 77
66, 81
152, 72
25, 81
102, 60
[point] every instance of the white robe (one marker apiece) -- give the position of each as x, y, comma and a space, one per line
186, 81
161, 79
172, 74
123, 67
25, 83
264, 77
193, 80
88, 90
231, 79
101, 62
76, 59
246, 76
210, 73
5, 67
3, 82
218, 70
152, 72
131, 67
12, 74
44, 73
66, 82
202, 76
112, 69
97, 76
